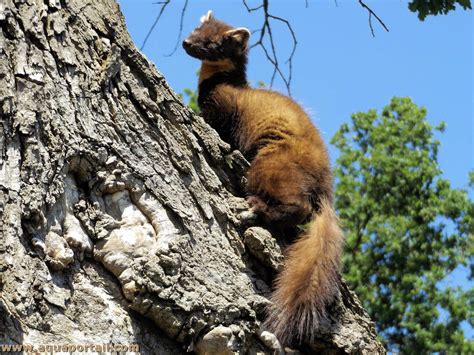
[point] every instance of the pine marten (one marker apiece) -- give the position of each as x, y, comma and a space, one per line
289, 181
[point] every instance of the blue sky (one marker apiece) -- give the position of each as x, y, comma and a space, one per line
339, 68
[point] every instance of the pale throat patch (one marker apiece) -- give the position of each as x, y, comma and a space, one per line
209, 68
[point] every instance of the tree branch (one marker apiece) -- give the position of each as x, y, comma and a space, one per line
180, 33
163, 7
372, 13
271, 53
249, 9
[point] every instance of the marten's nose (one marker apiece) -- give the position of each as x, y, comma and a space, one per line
186, 43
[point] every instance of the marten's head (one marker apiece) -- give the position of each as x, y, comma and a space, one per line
215, 41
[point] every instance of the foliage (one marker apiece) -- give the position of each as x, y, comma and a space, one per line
191, 98
406, 229
433, 7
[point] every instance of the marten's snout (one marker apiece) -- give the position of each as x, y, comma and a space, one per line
189, 47
193, 49
187, 44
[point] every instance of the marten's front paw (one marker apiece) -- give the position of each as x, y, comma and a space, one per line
257, 205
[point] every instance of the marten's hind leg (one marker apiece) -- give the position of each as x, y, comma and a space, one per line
279, 188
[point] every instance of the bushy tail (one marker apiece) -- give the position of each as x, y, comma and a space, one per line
309, 280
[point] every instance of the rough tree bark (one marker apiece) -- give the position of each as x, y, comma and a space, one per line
122, 217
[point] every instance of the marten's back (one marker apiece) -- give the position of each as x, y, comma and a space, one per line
289, 156
268, 119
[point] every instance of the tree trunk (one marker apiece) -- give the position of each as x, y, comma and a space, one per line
122, 217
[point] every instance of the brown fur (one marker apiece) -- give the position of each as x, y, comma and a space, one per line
289, 180
208, 69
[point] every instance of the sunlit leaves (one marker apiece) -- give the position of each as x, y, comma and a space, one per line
436, 7
406, 228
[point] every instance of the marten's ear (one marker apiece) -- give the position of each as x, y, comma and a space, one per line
207, 17
241, 35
